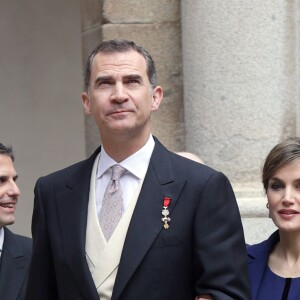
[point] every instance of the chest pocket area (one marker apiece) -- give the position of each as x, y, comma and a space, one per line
169, 241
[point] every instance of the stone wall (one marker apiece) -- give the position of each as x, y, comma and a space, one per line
241, 78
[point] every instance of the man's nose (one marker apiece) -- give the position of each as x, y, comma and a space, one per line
13, 189
119, 93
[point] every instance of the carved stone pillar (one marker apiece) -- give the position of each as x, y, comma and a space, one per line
240, 63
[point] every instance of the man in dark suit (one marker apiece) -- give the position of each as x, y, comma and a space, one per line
15, 250
183, 237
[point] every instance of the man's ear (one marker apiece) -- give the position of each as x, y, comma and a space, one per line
86, 103
157, 97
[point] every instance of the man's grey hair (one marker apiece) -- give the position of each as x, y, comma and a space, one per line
117, 46
7, 150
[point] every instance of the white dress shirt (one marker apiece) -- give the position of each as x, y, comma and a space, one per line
136, 166
1, 239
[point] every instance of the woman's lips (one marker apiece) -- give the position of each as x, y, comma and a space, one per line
288, 213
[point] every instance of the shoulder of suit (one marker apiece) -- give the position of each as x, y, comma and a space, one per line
24, 240
263, 247
191, 164
74, 168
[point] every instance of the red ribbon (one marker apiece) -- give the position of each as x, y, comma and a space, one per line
167, 201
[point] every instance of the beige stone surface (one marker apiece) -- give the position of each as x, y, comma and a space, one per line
142, 11
90, 39
252, 201
239, 81
91, 14
253, 207
297, 66
257, 229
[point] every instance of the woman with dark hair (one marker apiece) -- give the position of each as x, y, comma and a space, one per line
274, 264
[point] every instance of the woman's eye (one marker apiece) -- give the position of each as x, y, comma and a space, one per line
276, 186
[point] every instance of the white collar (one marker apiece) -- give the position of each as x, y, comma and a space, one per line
1, 238
136, 164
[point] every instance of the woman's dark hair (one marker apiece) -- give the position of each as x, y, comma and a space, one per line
280, 156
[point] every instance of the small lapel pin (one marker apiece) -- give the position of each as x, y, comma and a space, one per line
165, 212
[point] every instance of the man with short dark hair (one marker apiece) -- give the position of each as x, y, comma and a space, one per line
15, 250
134, 221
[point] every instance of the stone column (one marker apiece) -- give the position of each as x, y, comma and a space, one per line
240, 90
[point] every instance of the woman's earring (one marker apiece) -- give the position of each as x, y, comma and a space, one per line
268, 206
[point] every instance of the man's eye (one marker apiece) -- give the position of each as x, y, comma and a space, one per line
105, 82
132, 80
2, 179
102, 83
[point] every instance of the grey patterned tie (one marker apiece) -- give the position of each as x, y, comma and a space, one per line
112, 206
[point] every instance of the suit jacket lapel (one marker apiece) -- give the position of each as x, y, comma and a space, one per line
13, 266
146, 221
258, 261
256, 268
72, 201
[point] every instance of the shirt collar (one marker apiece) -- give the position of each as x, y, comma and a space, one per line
136, 164
1, 238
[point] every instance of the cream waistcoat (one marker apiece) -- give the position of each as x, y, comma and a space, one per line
103, 258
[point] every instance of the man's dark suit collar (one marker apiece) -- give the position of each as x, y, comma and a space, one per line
72, 203
75, 182
13, 266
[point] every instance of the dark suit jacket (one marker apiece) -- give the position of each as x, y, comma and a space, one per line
15, 259
202, 252
258, 256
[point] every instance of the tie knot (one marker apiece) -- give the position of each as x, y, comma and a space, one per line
117, 172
